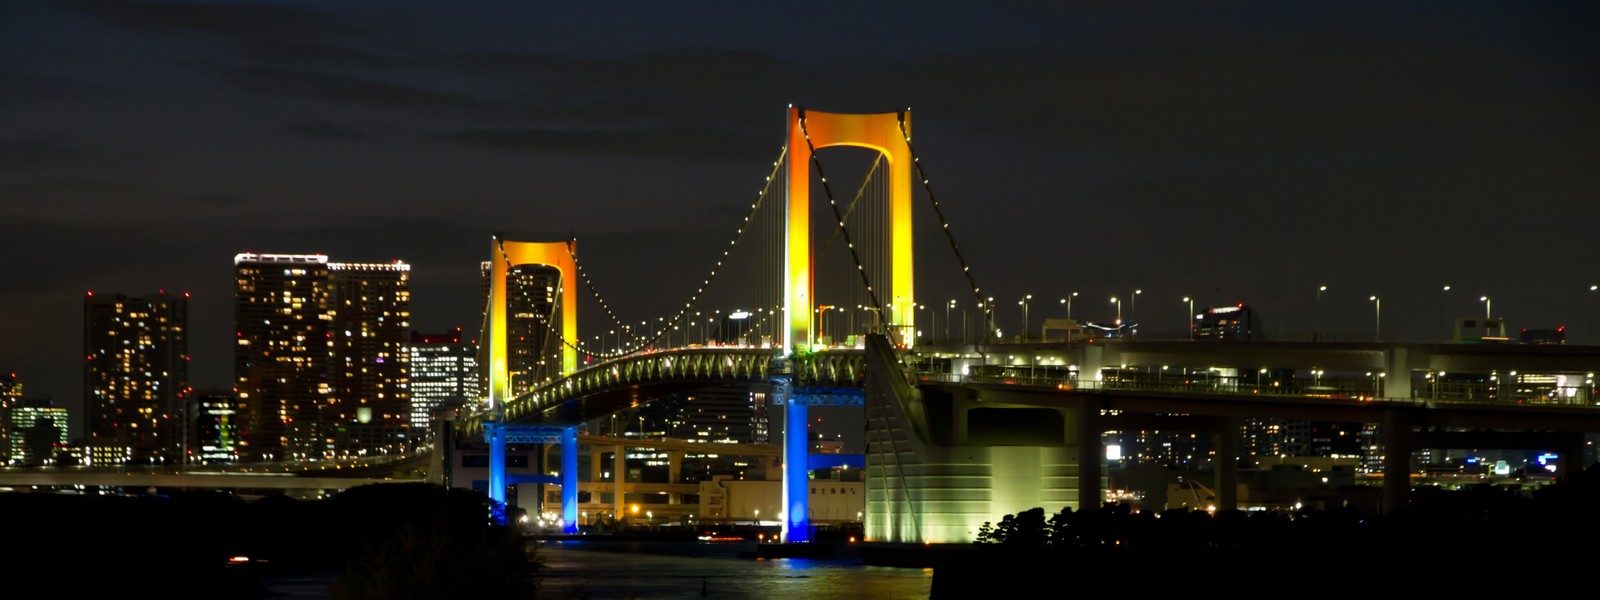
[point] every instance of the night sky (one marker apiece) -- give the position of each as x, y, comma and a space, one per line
1229, 151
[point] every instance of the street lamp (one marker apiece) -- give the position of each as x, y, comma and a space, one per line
1133, 306
1487, 314
989, 317
1117, 302
1024, 304
1068, 301
1590, 326
947, 308
1188, 318
1377, 318
822, 319
1443, 316
1316, 326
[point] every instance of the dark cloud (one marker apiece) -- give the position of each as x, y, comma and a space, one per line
346, 88
237, 20
328, 131
35, 155
21, 89
663, 142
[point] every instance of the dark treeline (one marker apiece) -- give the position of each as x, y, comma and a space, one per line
400, 540
1478, 538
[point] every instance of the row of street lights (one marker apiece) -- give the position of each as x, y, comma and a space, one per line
1026, 300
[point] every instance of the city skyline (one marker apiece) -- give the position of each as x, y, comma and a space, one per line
1236, 152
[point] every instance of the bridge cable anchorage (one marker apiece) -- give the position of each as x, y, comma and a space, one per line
888, 432
837, 217
945, 225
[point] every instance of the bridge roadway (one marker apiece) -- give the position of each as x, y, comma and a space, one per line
1401, 386
608, 387
265, 477
330, 476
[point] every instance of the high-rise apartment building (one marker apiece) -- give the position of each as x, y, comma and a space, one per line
371, 309
444, 372
10, 395
533, 326
284, 346
321, 363
136, 374
10, 390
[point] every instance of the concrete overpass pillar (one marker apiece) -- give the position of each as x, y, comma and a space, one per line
1397, 374
1398, 444
1091, 455
958, 418
1093, 359
1569, 456
619, 470
1226, 439
674, 465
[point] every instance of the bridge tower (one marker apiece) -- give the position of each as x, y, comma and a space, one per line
505, 254
888, 134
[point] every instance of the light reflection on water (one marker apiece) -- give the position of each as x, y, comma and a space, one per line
628, 570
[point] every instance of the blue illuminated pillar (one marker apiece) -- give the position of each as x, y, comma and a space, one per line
796, 487
497, 470
569, 480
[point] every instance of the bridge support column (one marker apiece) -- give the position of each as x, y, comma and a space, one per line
796, 487
1092, 359
619, 470
1227, 463
674, 466
497, 470
958, 418
1091, 456
1569, 456
569, 480
1397, 375
1398, 444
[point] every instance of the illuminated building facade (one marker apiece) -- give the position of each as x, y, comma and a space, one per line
444, 372
532, 355
371, 311
284, 345
1238, 322
35, 431
10, 395
136, 373
724, 414
216, 435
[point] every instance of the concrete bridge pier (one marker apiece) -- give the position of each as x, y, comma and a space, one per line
1398, 444
1226, 437
1091, 454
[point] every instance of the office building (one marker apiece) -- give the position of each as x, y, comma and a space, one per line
135, 374
215, 435
444, 372
1238, 322
35, 431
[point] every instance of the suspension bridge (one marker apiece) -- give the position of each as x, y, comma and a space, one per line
956, 434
